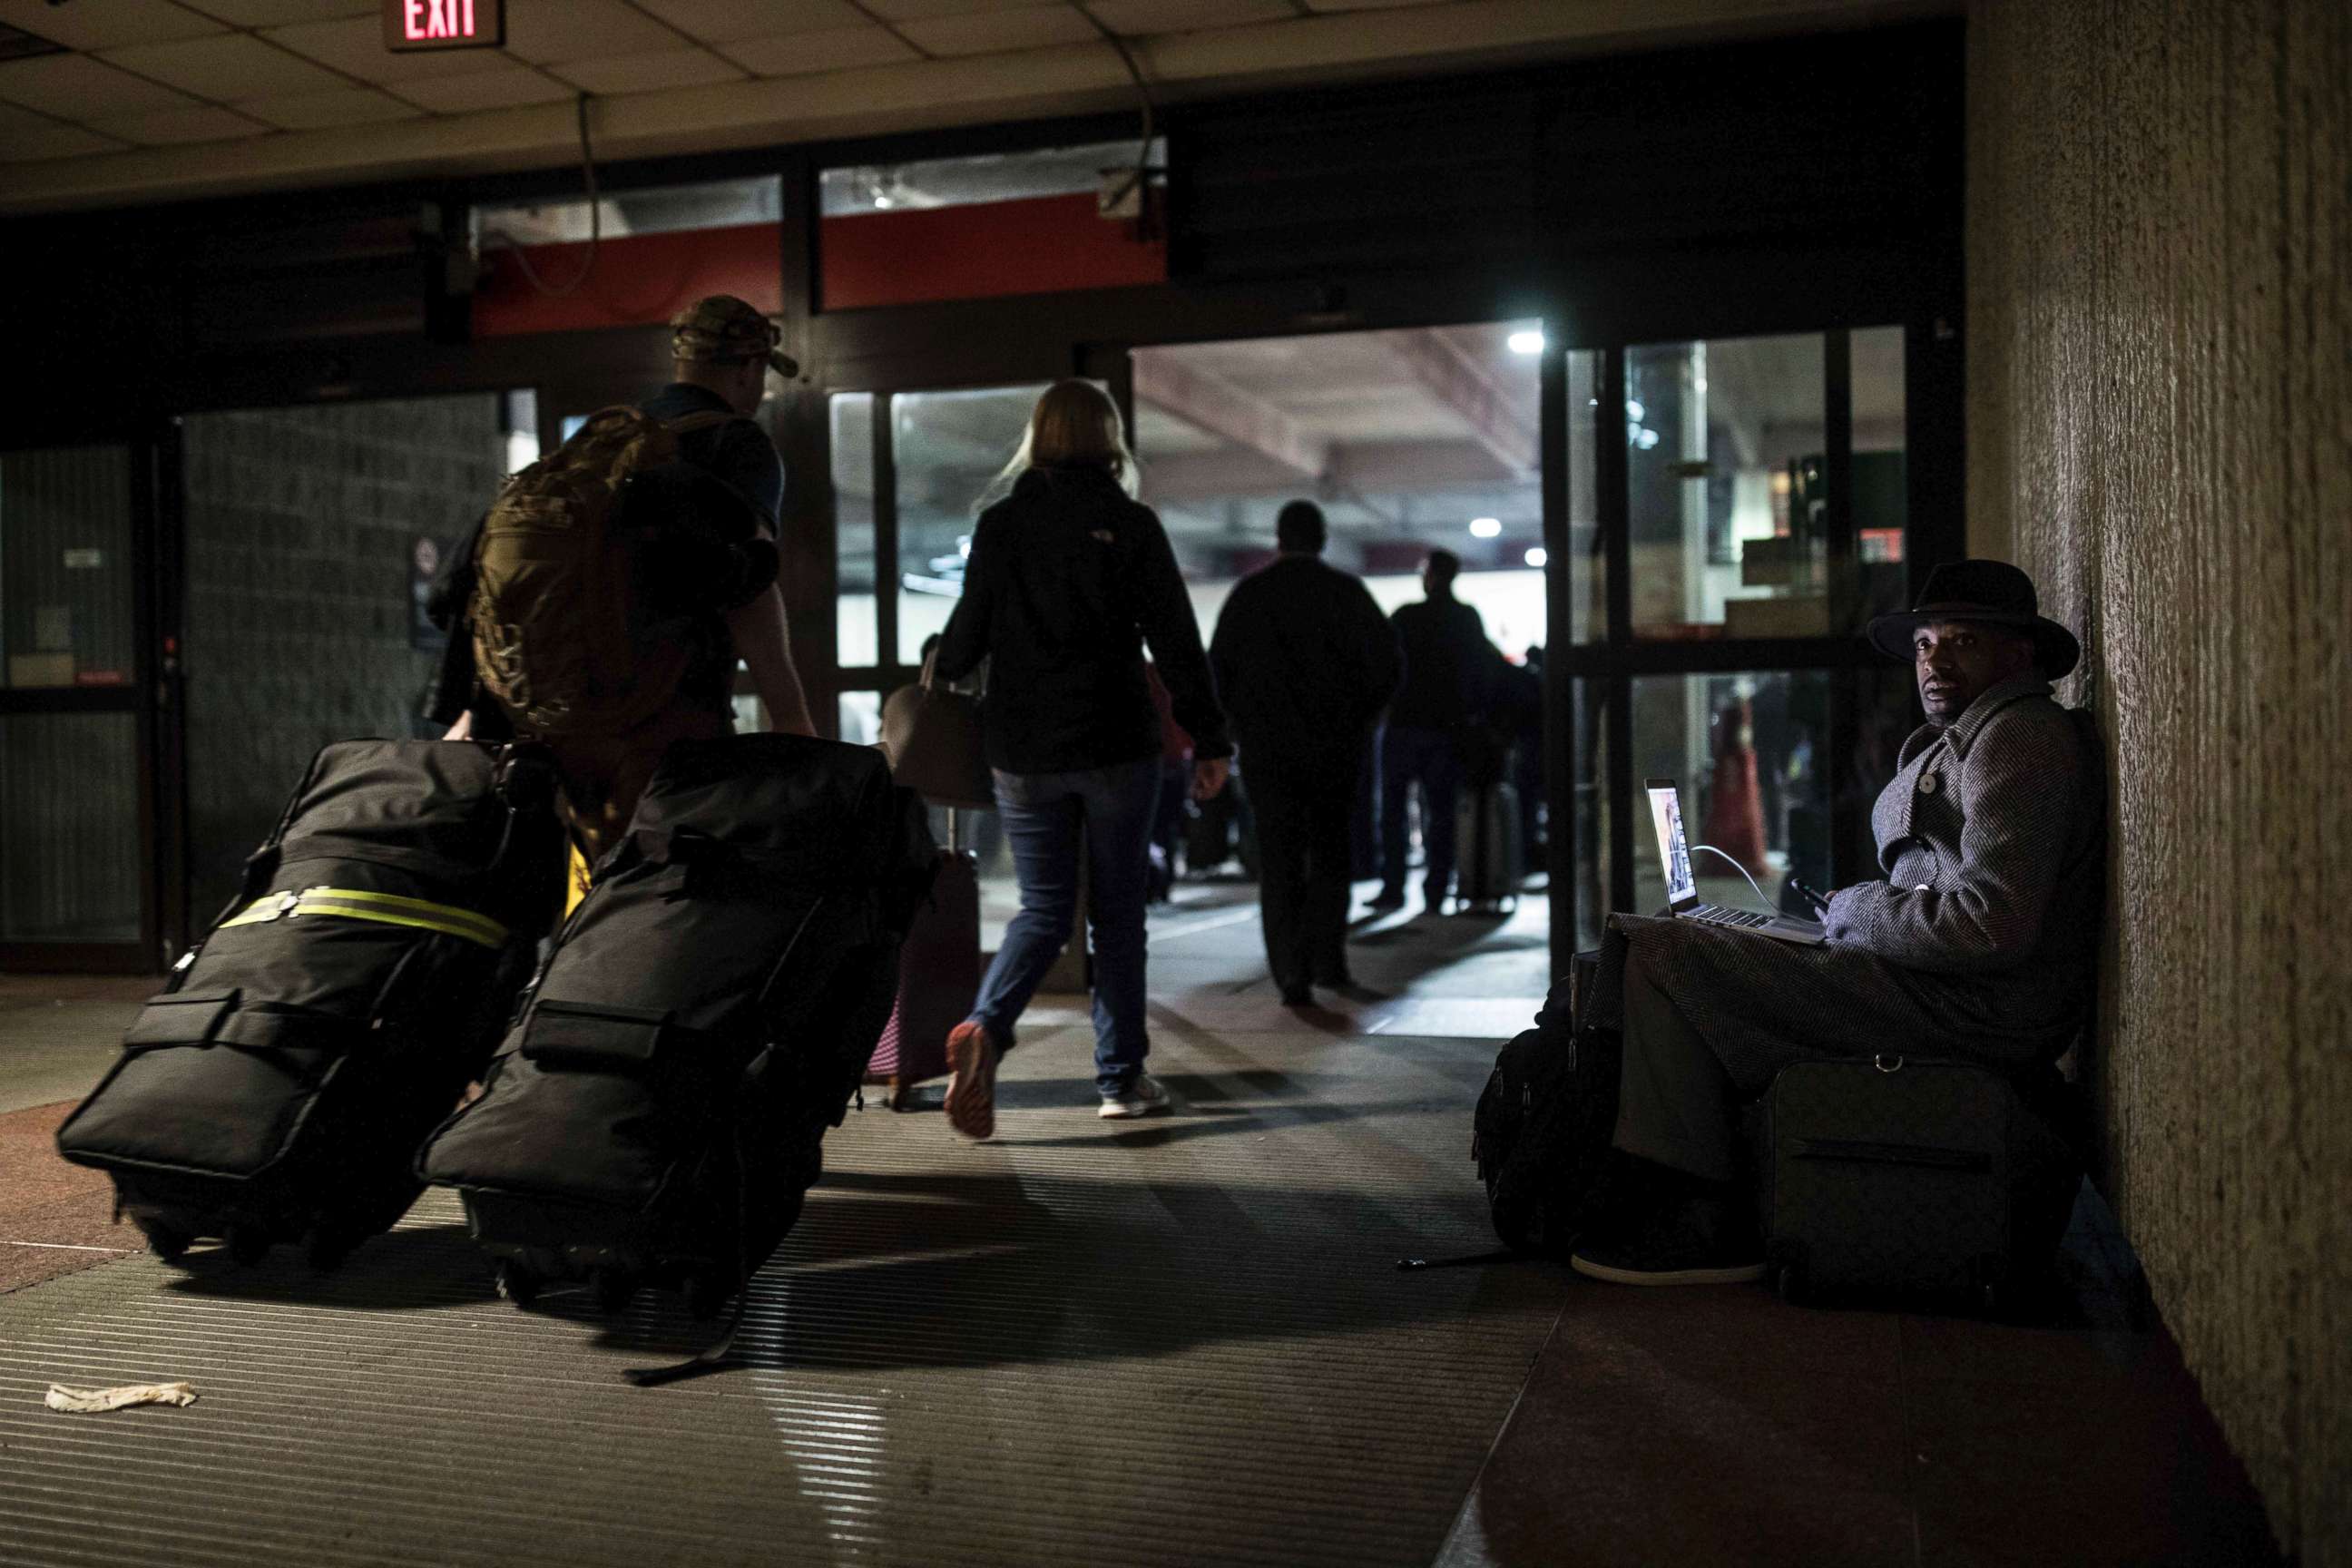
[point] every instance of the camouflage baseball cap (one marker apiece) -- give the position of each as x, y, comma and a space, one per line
722, 327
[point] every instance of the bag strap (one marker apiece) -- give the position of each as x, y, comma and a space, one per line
384, 909
709, 418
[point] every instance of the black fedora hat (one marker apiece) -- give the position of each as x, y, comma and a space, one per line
1992, 593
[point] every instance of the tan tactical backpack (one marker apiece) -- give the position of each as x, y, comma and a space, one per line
562, 636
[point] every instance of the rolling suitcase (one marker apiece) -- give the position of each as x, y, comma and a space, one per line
279, 1088
938, 979
1901, 1178
654, 1116
1486, 837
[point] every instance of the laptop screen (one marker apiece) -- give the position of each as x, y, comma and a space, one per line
1674, 851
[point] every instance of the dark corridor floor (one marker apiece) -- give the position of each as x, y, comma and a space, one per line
1174, 1341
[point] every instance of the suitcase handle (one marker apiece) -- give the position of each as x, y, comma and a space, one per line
1862, 1152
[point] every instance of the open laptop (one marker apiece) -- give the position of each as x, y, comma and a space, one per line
1682, 888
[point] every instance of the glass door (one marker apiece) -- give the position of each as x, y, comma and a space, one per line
78, 871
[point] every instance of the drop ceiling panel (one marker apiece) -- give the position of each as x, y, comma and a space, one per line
649, 73
227, 69
24, 138
281, 13
337, 106
355, 46
202, 124
838, 48
546, 31
729, 21
995, 32
104, 23
1142, 17
78, 88
923, 10
504, 86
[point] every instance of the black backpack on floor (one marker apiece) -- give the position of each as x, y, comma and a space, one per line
654, 1116
278, 1088
1544, 1120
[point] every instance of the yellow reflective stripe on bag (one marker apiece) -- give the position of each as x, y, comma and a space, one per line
386, 908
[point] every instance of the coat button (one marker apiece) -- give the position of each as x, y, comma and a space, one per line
1928, 784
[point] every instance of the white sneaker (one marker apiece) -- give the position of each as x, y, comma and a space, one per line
1141, 1097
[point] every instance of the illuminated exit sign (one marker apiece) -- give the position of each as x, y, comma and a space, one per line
443, 24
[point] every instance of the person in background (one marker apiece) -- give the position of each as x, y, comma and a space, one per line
1069, 578
1304, 662
1447, 664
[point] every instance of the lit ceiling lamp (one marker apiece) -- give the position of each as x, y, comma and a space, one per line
1486, 527
1531, 342
1537, 556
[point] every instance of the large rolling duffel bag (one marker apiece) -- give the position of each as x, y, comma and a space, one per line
654, 1116
278, 1089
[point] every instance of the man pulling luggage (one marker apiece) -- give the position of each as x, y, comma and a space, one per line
614, 583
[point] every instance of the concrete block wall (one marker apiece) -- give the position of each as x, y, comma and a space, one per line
2159, 344
301, 525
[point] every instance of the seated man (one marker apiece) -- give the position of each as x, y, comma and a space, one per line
1980, 942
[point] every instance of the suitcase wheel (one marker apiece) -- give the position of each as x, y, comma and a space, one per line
613, 1287
247, 1244
164, 1242
325, 1250
517, 1283
1789, 1284
706, 1294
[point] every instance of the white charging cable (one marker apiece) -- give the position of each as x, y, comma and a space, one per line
1743, 871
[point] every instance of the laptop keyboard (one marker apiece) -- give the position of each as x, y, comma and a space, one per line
1715, 914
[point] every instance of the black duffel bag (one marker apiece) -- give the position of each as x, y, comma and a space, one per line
1544, 1122
654, 1115
277, 1089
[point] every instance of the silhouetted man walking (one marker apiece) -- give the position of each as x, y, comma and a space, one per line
1304, 662
1446, 662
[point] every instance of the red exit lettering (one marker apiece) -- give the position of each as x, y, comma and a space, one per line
428, 21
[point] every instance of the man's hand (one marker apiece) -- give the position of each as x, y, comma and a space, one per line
1209, 778
463, 730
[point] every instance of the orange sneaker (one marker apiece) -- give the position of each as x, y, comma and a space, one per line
971, 1086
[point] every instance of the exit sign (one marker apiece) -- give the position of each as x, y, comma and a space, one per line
443, 24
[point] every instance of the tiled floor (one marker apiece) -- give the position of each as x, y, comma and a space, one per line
1178, 1342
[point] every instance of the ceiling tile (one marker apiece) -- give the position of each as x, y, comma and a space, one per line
281, 13
26, 137
994, 32
838, 48
79, 88
104, 23
355, 46
227, 69
649, 73
202, 123
546, 31
727, 21
337, 106
1137, 18
508, 86
919, 10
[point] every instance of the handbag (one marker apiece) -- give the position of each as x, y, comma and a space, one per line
932, 734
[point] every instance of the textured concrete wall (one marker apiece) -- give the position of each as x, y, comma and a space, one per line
300, 526
2161, 429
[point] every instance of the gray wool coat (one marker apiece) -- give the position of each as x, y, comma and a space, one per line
1980, 942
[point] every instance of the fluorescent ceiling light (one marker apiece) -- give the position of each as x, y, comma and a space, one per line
1526, 342
1486, 527
1537, 556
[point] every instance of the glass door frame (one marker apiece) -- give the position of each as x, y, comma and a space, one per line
152, 697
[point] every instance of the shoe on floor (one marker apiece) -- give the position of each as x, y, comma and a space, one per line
1297, 996
972, 1084
1387, 898
1143, 1096
1672, 1240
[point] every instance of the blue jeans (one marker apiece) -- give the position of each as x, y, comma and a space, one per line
1046, 818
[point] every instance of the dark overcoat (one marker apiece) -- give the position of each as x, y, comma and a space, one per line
1982, 941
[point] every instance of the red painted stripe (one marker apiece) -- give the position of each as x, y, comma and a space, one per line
1037, 245
639, 280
